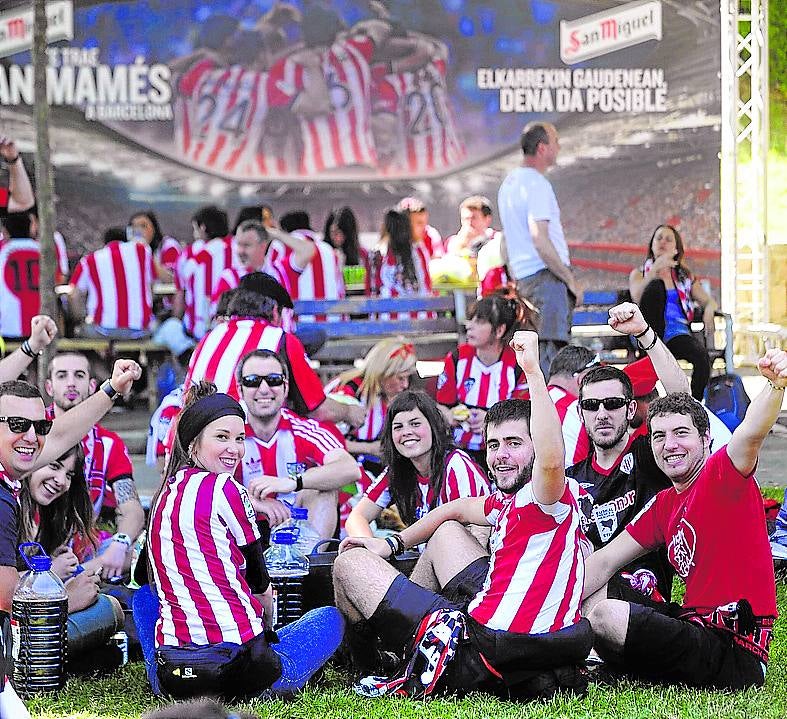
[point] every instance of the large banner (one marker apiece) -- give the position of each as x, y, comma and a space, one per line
312, 101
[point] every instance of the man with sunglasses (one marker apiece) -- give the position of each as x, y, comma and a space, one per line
289, 460
620, 474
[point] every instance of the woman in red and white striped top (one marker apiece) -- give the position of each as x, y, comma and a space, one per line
424, 468
215, 599
165, 249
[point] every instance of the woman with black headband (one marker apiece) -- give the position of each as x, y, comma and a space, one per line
213, 634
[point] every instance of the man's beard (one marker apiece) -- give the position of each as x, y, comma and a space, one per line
609, 443
521, 480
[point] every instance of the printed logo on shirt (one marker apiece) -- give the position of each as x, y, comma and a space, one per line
682, 547
250, 513
421, 512
606, 519
441, 380
627, 463
468, 383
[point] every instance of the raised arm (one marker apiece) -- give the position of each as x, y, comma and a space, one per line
549, 477
627, 319
303, 250
744, 446
20, 190
69, 428
42, 331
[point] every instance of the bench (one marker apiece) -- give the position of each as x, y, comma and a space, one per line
148, 354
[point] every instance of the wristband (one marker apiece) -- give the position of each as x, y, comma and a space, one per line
298, 481
643, 333
651, 345
121, 538
29, 351
11, 162
390, 542
109, 390
775, 387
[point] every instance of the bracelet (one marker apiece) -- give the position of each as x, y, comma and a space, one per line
109, 390
391, 544
642, 334
400, 543
775, 387
298, 482
28, 350
11, 162
651, 345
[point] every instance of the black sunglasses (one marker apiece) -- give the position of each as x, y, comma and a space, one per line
255, 380
610, 403
20, 425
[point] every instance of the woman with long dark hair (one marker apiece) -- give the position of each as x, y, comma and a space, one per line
215, 601
341, 231
165, 249
483, 371
666, 290
424, 468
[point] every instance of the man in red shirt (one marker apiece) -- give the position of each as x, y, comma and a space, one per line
289, 458
712, 524
108, 468
519, 604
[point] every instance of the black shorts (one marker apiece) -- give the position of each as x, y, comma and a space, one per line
405, 603
224, 669
662, 648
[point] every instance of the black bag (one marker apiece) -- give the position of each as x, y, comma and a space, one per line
726, 397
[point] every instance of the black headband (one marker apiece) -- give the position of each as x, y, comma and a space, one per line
204, 411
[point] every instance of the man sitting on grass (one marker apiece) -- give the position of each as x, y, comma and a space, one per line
712, 523
520, 605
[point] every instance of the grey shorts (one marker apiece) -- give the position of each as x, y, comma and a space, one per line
550, 295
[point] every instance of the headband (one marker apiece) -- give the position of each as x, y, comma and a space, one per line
204, 411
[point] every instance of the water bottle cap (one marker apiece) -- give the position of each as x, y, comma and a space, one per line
299, 513
284, 536
38, 562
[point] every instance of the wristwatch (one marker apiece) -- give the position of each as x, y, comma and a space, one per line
111, 392
121, 538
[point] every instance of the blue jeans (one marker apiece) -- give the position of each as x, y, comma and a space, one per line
93, 627
303, 647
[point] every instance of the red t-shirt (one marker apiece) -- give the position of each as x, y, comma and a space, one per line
715, 536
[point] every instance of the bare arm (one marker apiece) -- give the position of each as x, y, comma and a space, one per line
627, 319
332, 411
42, 331
639, 280
549, 477
20, 190
361, 517
315, 97
302, 250
69, 428
9, 578
77, 304
601, 565
130, 515
357, 446
179, 304
539, 231
762, 413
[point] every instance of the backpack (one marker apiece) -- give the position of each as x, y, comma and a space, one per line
726, 397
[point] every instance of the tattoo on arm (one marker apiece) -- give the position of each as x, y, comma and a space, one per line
125, 491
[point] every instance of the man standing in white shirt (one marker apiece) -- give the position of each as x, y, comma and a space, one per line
537, 249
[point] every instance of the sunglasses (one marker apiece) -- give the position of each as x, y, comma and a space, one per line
610, 403
255, 380
20, 425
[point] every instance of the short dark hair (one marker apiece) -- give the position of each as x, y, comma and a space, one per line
213, 219
67, 353
19, 388
246, 303
250, 212
262, 354
254, 226
533, 134
507, 410
570, 360
268, 286
158, 235
114, 234
603, 373
680, 403
17, 224
223, 303
295, 220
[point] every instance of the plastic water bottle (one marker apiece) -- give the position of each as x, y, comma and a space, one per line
287, 567
39, 612
308, 536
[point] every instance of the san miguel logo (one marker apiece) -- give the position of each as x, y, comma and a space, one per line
609, 30
16, 27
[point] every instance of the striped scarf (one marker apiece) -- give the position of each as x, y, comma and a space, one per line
683, 282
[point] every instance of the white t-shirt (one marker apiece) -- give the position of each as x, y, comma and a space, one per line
526, 195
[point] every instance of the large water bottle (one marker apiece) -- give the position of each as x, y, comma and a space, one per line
308, 536
287, 567
39, 612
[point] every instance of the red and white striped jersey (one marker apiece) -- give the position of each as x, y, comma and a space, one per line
466, 380
218, 353
160, 422
575, 438
168, 253
298, 443
197, 273
536, 570
198, 525
106, 461
343, 137
322, 278
220, 117
19, 282
118, 280
428, 140
372, 426
386, 279
61, 255
462, 477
